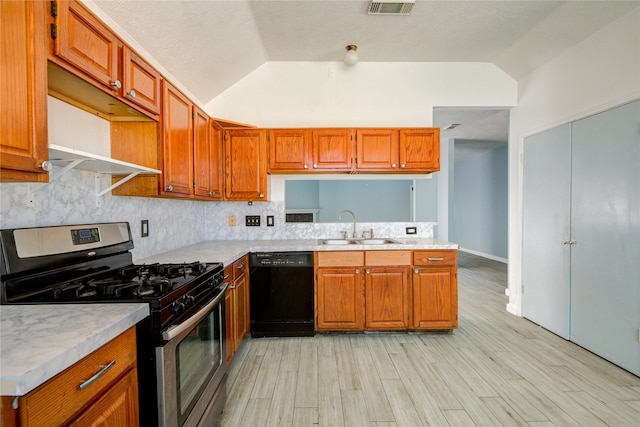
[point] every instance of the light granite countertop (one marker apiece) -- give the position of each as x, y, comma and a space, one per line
39, 341
227, 251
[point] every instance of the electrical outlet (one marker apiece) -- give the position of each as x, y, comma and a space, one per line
144, 228
232, 220
269, 220
412, 230
252, 220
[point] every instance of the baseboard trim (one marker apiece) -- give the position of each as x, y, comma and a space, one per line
482, 254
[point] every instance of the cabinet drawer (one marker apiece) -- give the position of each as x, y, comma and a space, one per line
388, 258
239, 267
435, 257
340, 259
60, 398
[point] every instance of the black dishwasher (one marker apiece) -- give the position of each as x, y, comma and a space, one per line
281, 294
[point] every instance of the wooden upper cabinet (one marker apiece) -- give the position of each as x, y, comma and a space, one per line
85, 42
245, 157
332, 149
420, 149
216, 162
84, 47
140, 81
201, 153
289, 150
177, 142
23, 91
377, 149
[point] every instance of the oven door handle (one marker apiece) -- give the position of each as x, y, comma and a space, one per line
192, 321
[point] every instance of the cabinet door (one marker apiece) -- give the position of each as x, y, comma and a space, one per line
201, 154
215, 161
23, 91
386, 298
241, 309
88, 44
289, 150
435, 298
339, 299
377, 149
245, 153
177, 142
229, 324
118, 406
420, 149
140, 81
332, 149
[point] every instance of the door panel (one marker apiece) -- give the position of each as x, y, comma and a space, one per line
605, 261
546, 225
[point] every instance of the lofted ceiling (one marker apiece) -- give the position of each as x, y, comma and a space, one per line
209, 45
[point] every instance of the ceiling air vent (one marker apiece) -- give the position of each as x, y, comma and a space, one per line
391, 7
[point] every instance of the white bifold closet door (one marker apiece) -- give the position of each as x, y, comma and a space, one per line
581, 233
605, 224
547, 220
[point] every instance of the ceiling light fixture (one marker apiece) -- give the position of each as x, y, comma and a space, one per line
351, 57
452, 126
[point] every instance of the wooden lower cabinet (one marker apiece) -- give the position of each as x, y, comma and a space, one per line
435, 290
70, 398
376, 290
339, 299
236, 305
387, 298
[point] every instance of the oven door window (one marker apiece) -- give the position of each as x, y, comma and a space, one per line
198, 357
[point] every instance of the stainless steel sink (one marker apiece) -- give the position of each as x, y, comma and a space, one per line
377, 241
337, 241
358, 241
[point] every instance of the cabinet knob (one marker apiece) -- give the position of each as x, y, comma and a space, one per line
415, 270
315, 165
393, 165
46, 166
402, 166
116, 84
131, 93
367, 271
261, 196
170, 188
211, 193
306, 167
357, 271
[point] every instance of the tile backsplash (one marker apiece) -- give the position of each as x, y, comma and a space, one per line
71, 198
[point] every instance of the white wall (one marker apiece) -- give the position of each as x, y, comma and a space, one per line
321, 94
599, 73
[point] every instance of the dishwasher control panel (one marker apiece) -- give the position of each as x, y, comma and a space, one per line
281, 259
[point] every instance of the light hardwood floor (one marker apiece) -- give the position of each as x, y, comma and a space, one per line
495, 370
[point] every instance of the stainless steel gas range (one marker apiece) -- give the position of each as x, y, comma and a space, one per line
181, 345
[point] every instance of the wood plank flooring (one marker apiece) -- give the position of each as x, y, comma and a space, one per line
495, 370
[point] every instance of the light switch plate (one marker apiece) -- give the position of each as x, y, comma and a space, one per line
412, 230
144, 228
269, 220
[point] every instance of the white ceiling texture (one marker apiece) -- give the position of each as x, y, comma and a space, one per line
209, 45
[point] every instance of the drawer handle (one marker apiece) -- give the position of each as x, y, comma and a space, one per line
435, 259
100, 373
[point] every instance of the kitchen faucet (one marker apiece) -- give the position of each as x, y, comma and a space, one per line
355, 235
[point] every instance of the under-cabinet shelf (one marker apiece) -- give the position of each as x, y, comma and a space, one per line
69, 158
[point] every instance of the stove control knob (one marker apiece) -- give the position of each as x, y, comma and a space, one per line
187, 301
177, 308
